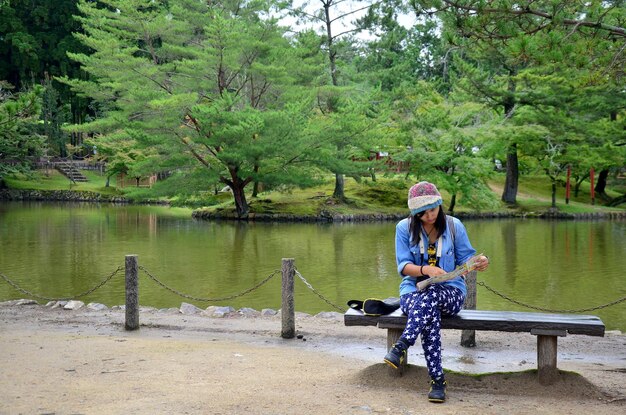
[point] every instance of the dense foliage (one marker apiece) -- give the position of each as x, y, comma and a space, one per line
271, 94
19, 140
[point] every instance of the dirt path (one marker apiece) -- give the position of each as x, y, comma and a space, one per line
83, 362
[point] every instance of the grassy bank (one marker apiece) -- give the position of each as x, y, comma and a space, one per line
53, 180
386, 195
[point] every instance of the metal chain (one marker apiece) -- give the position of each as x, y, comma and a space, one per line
17, 287
580, 310
230, 297
317, 293
249, 290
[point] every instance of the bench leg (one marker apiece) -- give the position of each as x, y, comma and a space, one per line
392, 337
546, 359
468, 338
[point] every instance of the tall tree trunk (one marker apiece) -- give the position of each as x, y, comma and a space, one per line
338, 192
554, 193
452, 204
255, 184
329, 44
600, 188
509, 194
238, 186
601, 184
339, 187
577, 186
241, 204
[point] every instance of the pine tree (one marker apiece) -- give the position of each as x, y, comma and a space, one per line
185, 83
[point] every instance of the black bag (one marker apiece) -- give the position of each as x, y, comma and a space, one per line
375, 307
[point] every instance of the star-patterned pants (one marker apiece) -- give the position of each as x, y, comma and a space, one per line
424, 310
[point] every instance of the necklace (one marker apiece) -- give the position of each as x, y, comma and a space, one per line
429, 232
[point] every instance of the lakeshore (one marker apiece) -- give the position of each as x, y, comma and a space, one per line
323, 216
83, 361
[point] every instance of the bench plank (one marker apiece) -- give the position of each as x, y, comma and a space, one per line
511, 321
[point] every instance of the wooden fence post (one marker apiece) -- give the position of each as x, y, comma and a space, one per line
468, 337
132, 293
288, 307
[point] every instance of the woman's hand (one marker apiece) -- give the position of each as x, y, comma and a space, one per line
482, 263
433, 271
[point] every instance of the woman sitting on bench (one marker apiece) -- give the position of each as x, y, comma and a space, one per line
427, 247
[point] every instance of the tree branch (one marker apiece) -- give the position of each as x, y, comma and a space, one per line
197, 155
343, 33
164, 87
351, 12
613, 30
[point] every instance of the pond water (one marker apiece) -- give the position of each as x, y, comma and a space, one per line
60, 250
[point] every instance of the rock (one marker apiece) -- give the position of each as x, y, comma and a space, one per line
73, 305
25, 301
330, 315
268, 312
215, 311
8, 303
97, 307
187, 309
56, 304
171, 310
248, 312
145, 309
119, 307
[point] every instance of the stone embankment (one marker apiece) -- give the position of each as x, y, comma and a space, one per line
324, 216
185, 309
60, 196
374, 217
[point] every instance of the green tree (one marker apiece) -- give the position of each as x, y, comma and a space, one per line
503, 39
35, 37
604, 112
54, 116
20, 144
443, 137
394, 55
557, 127
336, 94
185, 82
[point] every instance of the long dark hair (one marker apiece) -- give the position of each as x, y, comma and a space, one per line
415, 225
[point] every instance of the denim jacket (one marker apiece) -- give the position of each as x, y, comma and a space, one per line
451, 257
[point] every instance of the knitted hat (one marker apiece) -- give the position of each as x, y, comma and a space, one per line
423, 196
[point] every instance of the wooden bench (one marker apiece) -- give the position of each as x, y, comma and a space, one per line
547, 328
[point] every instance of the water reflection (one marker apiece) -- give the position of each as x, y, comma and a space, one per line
57, 250
510, 247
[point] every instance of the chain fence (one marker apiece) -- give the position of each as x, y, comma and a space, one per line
272, 275
481, 283
83, 294
310, 287
579, 310
200, 299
